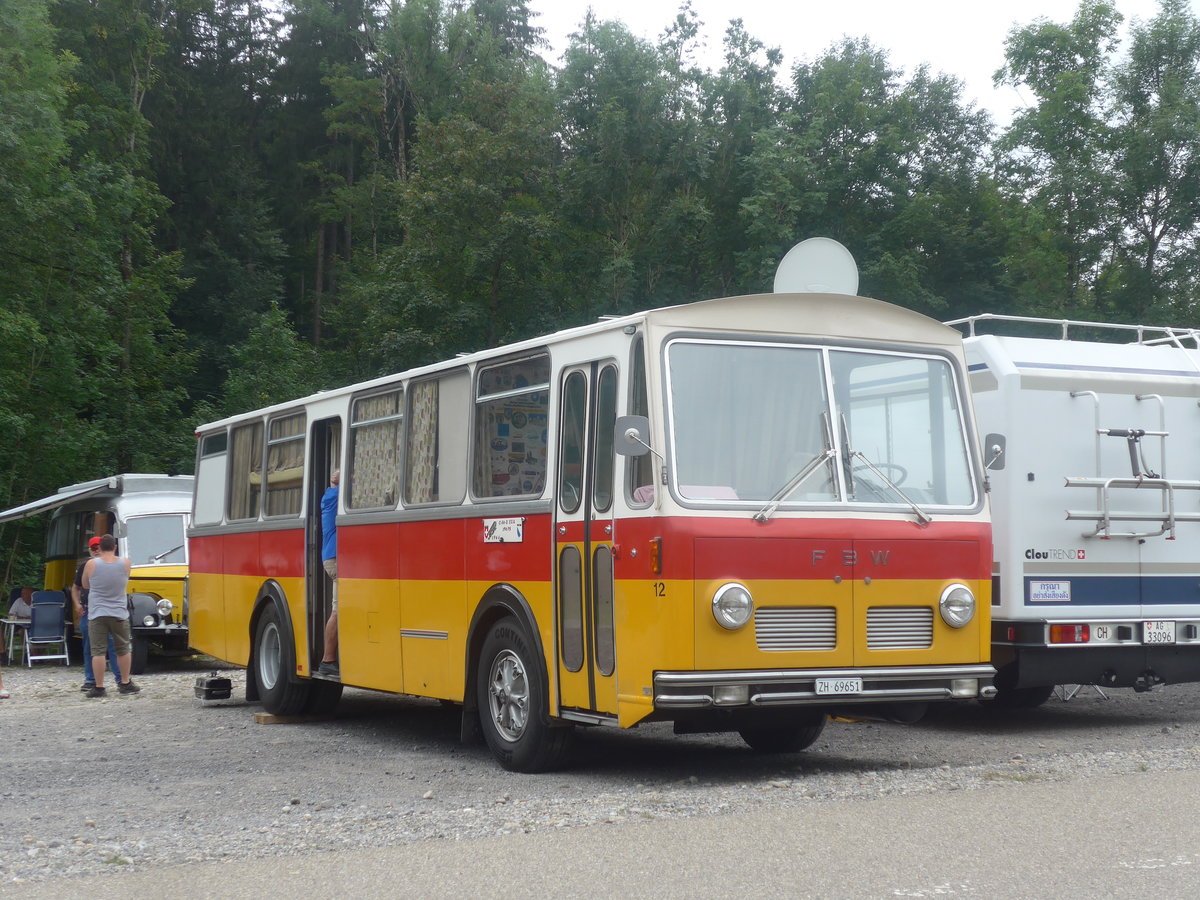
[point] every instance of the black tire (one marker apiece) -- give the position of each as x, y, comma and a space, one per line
1021, 698
282, 694
139, 654
511, 691
790, 738
323, 698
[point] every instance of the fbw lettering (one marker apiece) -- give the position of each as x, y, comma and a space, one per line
850, 557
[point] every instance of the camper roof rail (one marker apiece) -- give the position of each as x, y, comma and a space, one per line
1144, 334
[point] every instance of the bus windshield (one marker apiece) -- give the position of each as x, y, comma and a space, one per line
155, 540
748, 418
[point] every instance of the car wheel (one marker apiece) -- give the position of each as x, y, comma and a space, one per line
511, 694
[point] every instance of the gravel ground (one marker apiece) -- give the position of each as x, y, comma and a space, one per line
161, 778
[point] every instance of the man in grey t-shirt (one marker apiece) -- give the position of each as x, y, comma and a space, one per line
106, 579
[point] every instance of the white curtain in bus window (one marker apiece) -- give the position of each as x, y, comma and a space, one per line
376, 426
903, 416
245, 475
285, 465
746, 419
421, 478
511, 428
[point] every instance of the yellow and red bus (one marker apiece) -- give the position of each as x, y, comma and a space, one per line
741, 514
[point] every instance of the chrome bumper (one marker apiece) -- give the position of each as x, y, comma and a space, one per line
797, 687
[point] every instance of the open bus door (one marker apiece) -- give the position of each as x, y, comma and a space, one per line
324, 451
585, 641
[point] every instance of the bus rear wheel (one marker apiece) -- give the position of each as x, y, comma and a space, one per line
281, 692
790, 738
511, 693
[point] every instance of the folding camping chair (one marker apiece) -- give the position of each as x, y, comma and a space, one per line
47, 627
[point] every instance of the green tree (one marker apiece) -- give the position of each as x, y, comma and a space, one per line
464, 212
1156, 145
632, 169
892, 168
740, 101
205, 154
50, 267
137, 362
1056, 156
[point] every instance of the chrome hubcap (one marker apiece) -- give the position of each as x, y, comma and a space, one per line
508, 695
269, 656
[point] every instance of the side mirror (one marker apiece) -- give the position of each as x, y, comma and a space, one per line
993, 452
632, 436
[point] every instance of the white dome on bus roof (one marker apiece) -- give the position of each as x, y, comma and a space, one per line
819, 265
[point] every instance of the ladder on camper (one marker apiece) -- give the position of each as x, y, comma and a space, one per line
1109, 490
1162, 521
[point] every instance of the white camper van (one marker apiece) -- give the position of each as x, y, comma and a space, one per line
1091, 437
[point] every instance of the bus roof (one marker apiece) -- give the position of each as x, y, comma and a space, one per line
839, 316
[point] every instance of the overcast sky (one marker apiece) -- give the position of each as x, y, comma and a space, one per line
964, 38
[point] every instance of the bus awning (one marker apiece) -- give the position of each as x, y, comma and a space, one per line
54, 500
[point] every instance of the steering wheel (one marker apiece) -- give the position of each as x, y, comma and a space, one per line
894, 471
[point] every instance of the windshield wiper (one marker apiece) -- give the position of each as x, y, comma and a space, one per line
792, 484
159, 557
923, 518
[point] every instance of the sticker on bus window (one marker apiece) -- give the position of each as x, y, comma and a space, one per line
1049, 592
504, 531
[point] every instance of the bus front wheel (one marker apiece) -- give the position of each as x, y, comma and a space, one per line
274, 662
790, 738
512, 703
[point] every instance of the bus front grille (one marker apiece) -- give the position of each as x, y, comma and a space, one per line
805, 628
899, 628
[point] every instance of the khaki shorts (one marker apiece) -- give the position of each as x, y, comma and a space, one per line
101, 627
331, 571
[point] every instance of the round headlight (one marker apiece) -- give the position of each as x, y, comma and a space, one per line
732, 606
164, 607
957, 605
148, 620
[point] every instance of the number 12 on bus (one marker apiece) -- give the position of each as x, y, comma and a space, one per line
740, 514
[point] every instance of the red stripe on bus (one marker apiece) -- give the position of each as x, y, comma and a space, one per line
691, 547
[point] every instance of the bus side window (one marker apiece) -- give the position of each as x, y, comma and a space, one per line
511, 425
209, 495
376, 431
437, 438
245, 471
285, 465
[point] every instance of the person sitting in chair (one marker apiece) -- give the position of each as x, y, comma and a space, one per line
22, 607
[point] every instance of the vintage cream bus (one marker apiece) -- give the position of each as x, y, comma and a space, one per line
741, 514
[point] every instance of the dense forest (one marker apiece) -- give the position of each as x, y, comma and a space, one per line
210, 205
